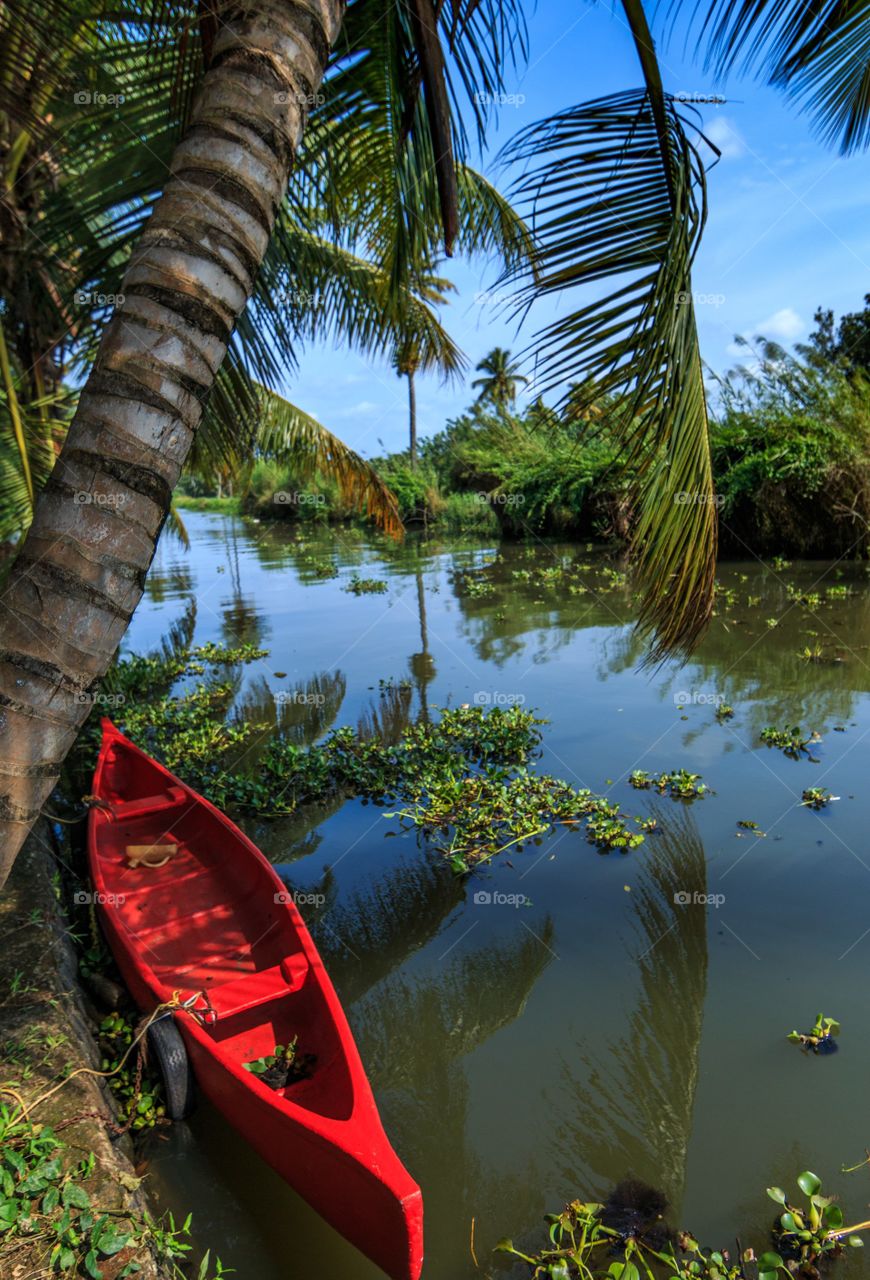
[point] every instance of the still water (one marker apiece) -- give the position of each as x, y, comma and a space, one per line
524, 1056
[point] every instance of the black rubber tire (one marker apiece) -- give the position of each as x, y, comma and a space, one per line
167, 1046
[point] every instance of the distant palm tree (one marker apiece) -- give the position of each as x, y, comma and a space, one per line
500, 383
426, 287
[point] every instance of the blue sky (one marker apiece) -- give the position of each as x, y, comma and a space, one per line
787, 230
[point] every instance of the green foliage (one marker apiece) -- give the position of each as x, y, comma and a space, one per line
820, 1038
791, 456
358, 586
817, 797
812, 1233
468, 513
462, 779
583, 1245
679, 784
791, 740
539, 471
47, 1203
283, 1066
415, 488
139, 1094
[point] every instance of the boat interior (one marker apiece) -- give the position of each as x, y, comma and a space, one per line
204, 915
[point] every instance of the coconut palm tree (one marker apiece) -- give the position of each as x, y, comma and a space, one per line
433, 290
615, 188
189, 261
501, 379
78, 181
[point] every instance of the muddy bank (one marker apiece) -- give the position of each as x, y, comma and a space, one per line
46, 1032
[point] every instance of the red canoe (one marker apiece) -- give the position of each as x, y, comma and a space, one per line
216, 919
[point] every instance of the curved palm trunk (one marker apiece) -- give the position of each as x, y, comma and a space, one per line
412, 416
81, 571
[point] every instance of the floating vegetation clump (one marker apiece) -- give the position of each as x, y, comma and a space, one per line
587, 1241
817, 797
724, 712
821, 1039
679, 784
462, 781
793, 742
358, 586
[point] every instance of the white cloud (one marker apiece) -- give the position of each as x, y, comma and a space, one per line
724, 134
784, 325
354, 410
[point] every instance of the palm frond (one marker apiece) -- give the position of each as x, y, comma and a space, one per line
615, 193
818, 51
289, 435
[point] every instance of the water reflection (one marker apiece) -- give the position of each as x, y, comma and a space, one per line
445, 1029
415, 1033
379, 926
632, 1107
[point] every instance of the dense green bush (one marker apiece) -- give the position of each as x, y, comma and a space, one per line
274, 493
791, 457
539, 472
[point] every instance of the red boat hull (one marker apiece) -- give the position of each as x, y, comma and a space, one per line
216, 918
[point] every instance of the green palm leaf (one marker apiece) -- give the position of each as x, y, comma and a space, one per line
615, 193
818, 51
289, 435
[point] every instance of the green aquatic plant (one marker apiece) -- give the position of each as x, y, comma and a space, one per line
724, 712
365, 586
791, 741
586, 1242
809, 599
462, 779
817, 797
285, 1065
584, 1246
475, 818
821, 1038
679, 784
813, 1233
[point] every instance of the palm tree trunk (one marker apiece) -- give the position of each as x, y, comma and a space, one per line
81, 571
412, 416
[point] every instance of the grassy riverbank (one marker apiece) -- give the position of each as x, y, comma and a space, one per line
791, 467
71, 1202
